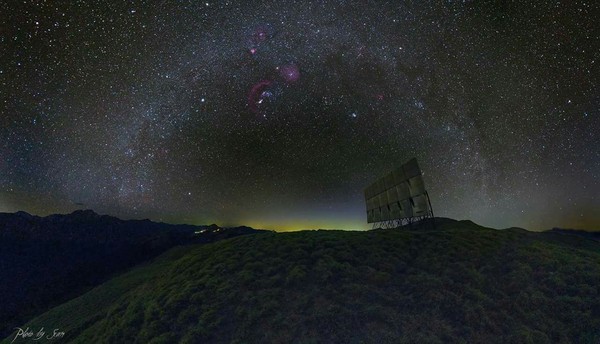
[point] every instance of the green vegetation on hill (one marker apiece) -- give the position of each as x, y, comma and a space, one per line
459, 283
46, 261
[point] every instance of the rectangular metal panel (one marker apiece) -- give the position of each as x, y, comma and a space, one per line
416, 186
383, 201
376, 215
420, 206
375, 203
402, 214
372, 192
392, 195
406, 207
370, 204
385, 213
395, 212
403, 191
370, 216
389, 181
399, 176
411, 168
381, 185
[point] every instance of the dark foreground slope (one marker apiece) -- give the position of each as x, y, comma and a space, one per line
459, 283
45, 261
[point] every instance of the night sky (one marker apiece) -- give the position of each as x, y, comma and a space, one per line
278, 114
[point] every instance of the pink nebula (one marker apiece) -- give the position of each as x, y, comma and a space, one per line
289, 73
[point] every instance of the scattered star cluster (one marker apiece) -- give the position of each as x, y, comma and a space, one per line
278, 114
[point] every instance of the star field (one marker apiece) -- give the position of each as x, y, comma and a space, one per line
278, 114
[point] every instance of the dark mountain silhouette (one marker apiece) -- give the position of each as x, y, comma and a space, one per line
456, 283
592, 235
44, 261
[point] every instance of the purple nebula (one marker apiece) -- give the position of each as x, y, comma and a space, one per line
261, 33
289, 73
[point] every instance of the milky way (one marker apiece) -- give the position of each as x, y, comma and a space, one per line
278, 114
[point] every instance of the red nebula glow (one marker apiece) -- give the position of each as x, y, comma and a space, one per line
255, 94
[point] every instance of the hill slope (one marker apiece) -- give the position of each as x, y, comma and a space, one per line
460, 282
45, 261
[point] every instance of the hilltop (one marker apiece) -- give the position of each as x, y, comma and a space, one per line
457, 283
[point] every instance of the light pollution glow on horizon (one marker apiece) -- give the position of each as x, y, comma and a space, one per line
307, 219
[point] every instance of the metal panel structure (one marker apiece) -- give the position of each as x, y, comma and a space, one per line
407, 209
411, 168
370, 204
379, 186
403, 191
389, 181
398, 198
420, 207
392, 195
395, 211
385, 213
416, 185
376, 215
383, 201
399, 176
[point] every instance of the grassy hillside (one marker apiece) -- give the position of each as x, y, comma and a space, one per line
460, 282
46, 261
